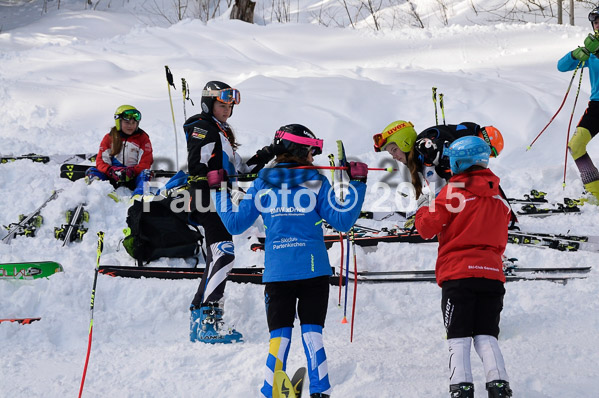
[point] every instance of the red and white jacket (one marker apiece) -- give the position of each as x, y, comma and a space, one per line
136, 152
471, 224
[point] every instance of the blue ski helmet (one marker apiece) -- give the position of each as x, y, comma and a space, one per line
466, 152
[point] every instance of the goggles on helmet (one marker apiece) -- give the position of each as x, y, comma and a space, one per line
593, 15
315, 144
380, 139
129, 114
226, 95
485, 136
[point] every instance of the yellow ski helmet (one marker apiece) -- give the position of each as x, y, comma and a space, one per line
126, 112
400, 132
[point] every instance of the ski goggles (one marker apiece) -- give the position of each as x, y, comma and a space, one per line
315, 144
129, 114
593, 16
226, 96
485, 136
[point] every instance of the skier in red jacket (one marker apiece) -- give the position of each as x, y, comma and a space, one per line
470, 219
125, 154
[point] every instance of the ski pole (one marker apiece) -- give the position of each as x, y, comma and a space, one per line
344, 320
169, 83
353, 310
388, 169
570, 124
91, 321
186, 97
184, 92
435, 103
332, 163
442, 107
560, 107
251, 176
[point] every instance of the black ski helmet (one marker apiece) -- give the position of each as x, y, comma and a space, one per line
208, 100
594, 14
296, 140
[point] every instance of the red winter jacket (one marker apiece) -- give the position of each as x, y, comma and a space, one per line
136, 152
472, 236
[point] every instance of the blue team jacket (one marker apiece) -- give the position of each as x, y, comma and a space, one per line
567, 63
292, 203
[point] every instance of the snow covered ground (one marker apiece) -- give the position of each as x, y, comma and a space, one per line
62, 77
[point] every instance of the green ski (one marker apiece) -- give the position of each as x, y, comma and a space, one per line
32, 270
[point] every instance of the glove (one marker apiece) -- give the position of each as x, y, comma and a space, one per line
423, 200
216, 178
429, 151
409, 224
581, 54
128, 174
121, 174
591, 43
357, 171
261, 157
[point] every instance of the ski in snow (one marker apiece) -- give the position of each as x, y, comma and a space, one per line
29, 270
29, 223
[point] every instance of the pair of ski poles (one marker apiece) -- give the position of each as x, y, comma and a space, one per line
185, 91
581, 67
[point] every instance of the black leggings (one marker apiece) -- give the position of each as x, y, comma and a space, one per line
310, 296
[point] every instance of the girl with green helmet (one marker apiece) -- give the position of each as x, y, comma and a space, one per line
125, 154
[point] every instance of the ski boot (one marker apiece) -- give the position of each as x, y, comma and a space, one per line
207, 326
462, 390
498, 389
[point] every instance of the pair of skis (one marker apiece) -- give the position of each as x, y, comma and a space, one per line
28, 224
283, 387
76, 158
76, 172
514, 274
75, 227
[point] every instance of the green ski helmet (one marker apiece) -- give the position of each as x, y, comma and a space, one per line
126, 112
400, 132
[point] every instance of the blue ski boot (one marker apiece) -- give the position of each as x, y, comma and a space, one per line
208, 326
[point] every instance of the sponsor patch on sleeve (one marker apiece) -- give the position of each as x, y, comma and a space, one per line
198, 133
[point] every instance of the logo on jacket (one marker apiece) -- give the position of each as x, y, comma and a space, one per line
290, 209
226, 247
199, 133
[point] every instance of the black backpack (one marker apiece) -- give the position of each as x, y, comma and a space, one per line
160, 232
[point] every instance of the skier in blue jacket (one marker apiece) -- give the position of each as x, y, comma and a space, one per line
588, 126
293, 202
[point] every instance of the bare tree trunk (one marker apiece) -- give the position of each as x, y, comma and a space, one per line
243, 10
572, 12
560, 17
